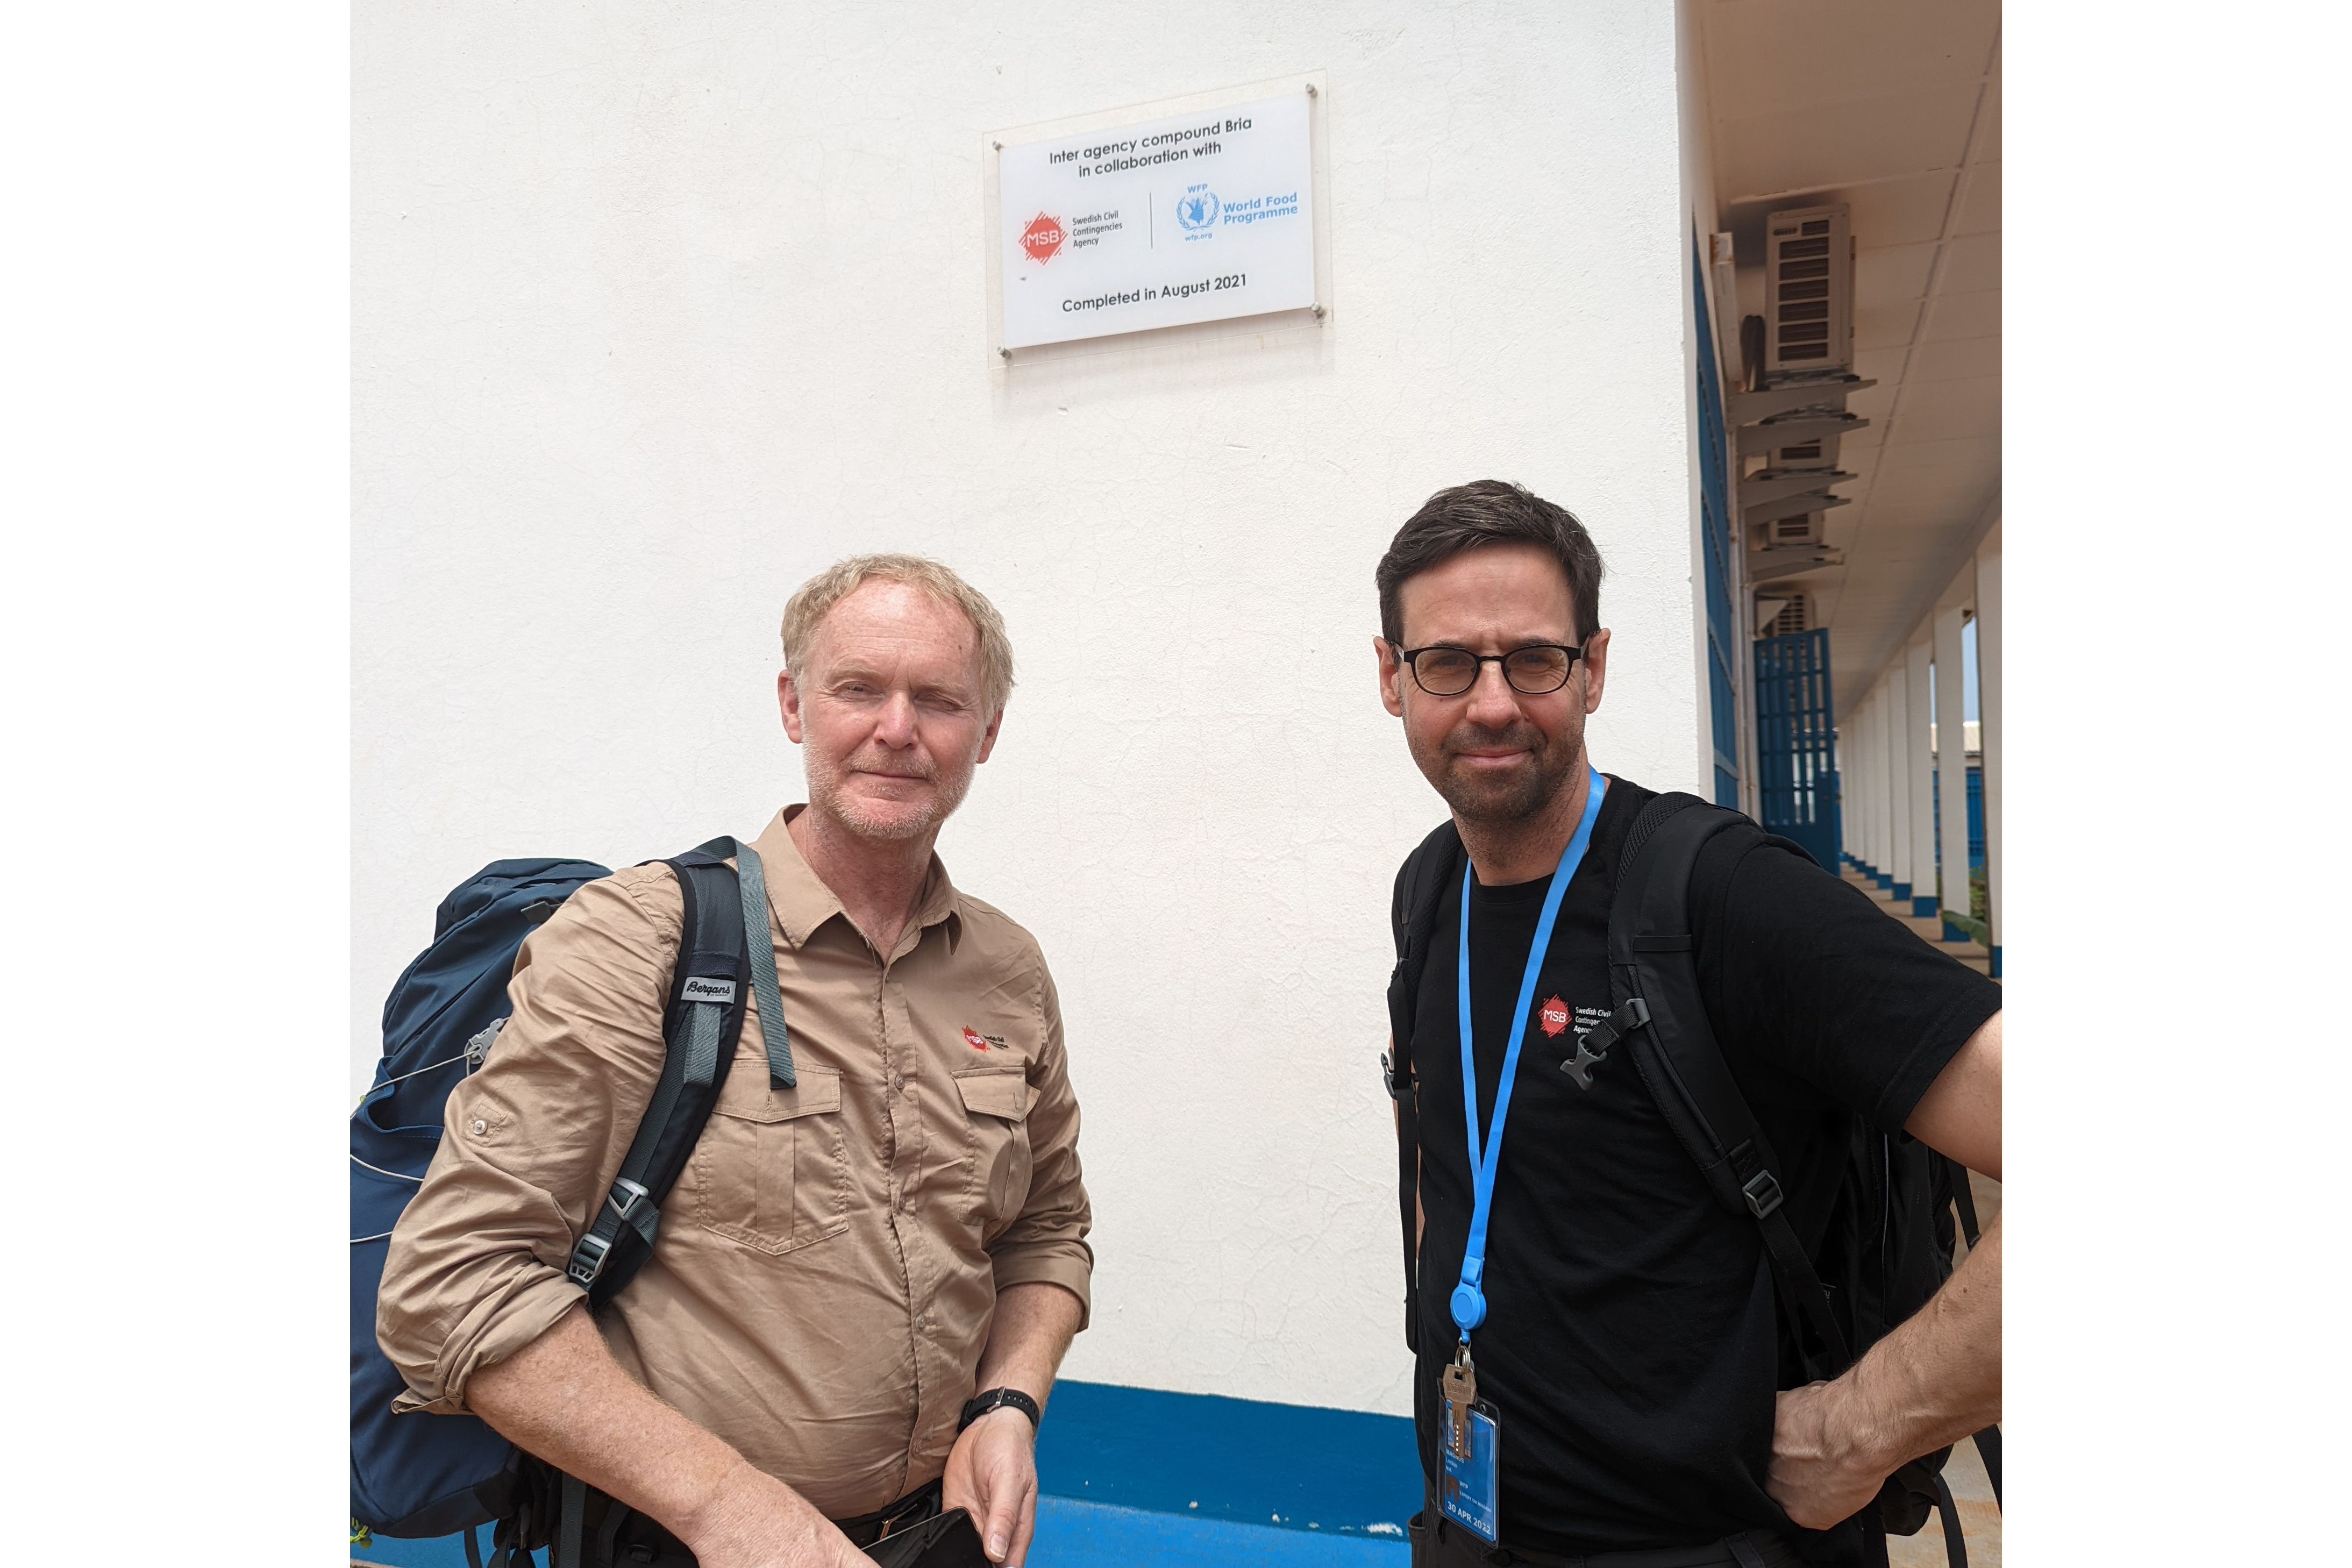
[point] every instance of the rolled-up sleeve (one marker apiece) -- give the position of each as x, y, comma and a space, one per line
532, 1140
1047, 1243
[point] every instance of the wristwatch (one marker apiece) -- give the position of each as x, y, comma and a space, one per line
979, 1405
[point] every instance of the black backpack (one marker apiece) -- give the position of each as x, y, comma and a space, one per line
421, 1474
1890, 1240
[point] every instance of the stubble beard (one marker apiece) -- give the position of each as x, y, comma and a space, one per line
828, 794
1512, 800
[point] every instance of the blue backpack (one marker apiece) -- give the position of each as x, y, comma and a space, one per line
428, 1475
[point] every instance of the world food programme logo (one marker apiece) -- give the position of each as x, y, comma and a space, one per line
1042, 238
1196, 209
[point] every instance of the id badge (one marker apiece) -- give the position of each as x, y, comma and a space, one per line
1469, 1492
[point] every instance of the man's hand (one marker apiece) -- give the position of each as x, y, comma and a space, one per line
1822, 1469
993, 1474
757, 1522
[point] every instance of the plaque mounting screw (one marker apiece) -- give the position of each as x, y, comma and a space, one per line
1007, 354
1310, 90
1000, 146
1318, 310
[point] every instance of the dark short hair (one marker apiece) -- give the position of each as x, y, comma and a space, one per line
1473, 516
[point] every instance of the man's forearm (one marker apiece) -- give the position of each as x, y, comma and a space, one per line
1937, 1378
1932, 1381
564, 1398
1032, 1327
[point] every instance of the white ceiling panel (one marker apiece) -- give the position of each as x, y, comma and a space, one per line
1981, 207
1955, 361
1971, 265
1880, 364
1885, 327
1950, 409
1899, 212
1891, 275
1965, 316
1823, 144
1966, 453
1762, 54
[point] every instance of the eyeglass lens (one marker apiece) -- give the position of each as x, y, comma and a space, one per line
1451, 671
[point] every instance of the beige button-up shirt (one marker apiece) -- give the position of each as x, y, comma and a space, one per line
828, 1262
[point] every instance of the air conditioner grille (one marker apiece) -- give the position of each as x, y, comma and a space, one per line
1789, 621
1809, 291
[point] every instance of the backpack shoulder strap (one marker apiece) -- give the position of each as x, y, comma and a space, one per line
1653, 975
710, 986
1421, 884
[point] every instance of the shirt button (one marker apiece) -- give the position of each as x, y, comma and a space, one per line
911, 1205
481, 1127
898, 1081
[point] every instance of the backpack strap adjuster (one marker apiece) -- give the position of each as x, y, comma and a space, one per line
588, 1258
1763, 1192
625, 1196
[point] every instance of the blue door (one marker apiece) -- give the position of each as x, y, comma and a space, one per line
1796, 753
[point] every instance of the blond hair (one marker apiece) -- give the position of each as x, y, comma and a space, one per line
821, 593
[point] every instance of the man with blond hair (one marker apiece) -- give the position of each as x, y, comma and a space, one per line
864, 1281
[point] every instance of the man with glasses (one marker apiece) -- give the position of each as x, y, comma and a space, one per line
1601, 1374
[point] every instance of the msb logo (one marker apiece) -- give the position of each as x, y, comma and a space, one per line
1043, 237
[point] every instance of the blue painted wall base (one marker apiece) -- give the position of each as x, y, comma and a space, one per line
1924, 909
1995, 963
1902, 890
1301, 1465
1954, 933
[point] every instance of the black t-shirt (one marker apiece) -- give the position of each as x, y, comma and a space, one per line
1631, 1345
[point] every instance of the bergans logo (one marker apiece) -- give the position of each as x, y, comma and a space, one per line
698, 989
980, 1042
1554, 1016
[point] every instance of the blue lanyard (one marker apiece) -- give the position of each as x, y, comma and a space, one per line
1469, 1302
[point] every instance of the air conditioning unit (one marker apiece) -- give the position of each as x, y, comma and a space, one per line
1808, 293
1805, 530
1779, 617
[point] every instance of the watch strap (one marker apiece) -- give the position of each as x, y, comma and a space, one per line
982, 1404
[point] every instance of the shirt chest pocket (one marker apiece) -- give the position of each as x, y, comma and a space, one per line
772, 1170
996, 1128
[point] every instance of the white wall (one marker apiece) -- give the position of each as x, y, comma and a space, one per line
655, 314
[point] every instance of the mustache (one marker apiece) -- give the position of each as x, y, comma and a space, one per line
1520, 736
922, 768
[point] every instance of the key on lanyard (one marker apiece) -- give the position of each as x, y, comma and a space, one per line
1460, 1382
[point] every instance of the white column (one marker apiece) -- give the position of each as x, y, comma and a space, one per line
1865, 783
1898, 782
1989, 722
1849, 748
1920, 778
1951, 763
1882, 835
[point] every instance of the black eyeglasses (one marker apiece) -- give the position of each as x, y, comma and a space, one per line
1442, 670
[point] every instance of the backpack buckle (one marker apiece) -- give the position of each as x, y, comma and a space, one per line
624, 1195
1763, 1192
588, 1258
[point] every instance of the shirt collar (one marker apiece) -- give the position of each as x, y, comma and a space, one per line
801, 902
